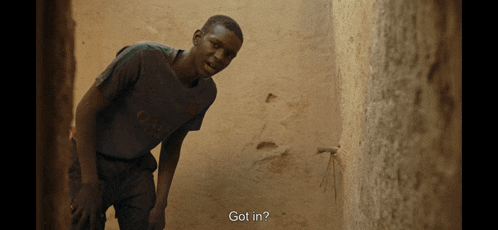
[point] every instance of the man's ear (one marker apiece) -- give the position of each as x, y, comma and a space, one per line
196, 39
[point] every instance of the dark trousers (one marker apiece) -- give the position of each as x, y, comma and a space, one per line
127, 184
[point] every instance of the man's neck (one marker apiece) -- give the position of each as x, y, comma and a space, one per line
183, 68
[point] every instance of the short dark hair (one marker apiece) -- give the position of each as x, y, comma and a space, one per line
225, 21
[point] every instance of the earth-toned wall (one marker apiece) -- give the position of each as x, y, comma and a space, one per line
277, 102
399, 64
381, 78
55, 65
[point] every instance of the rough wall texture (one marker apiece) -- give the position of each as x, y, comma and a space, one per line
399, 63
54, 89
382, 76
277, 102
352, 29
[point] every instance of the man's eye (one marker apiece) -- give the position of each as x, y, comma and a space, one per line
215, 45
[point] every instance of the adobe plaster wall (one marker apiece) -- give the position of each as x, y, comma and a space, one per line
277, 102
55, 63
381, 78
399, 67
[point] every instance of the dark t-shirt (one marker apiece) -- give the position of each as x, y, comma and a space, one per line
150, 103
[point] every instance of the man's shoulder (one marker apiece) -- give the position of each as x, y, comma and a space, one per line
210, 86
144, 48
149, 45
152, 48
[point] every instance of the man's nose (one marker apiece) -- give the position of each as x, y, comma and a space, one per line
219, 54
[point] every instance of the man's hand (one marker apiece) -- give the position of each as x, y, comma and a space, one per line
157, 219
87, 204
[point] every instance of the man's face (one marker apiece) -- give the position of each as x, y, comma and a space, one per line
215, 49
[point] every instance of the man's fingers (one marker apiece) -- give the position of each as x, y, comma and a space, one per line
73, 208
76, 215
82, 220
92, 220
151, 226
154, 227
81, 217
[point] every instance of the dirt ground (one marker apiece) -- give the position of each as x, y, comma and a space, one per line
277, 102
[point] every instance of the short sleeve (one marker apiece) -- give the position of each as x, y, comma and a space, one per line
123, 72
195, 123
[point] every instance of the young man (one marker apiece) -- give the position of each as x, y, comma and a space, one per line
150, 93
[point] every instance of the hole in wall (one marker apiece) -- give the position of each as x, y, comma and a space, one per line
270, 97
266, 145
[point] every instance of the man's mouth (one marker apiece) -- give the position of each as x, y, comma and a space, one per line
211, 68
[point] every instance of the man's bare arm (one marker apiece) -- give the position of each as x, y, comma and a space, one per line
87, 203
168, 160
90, 105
